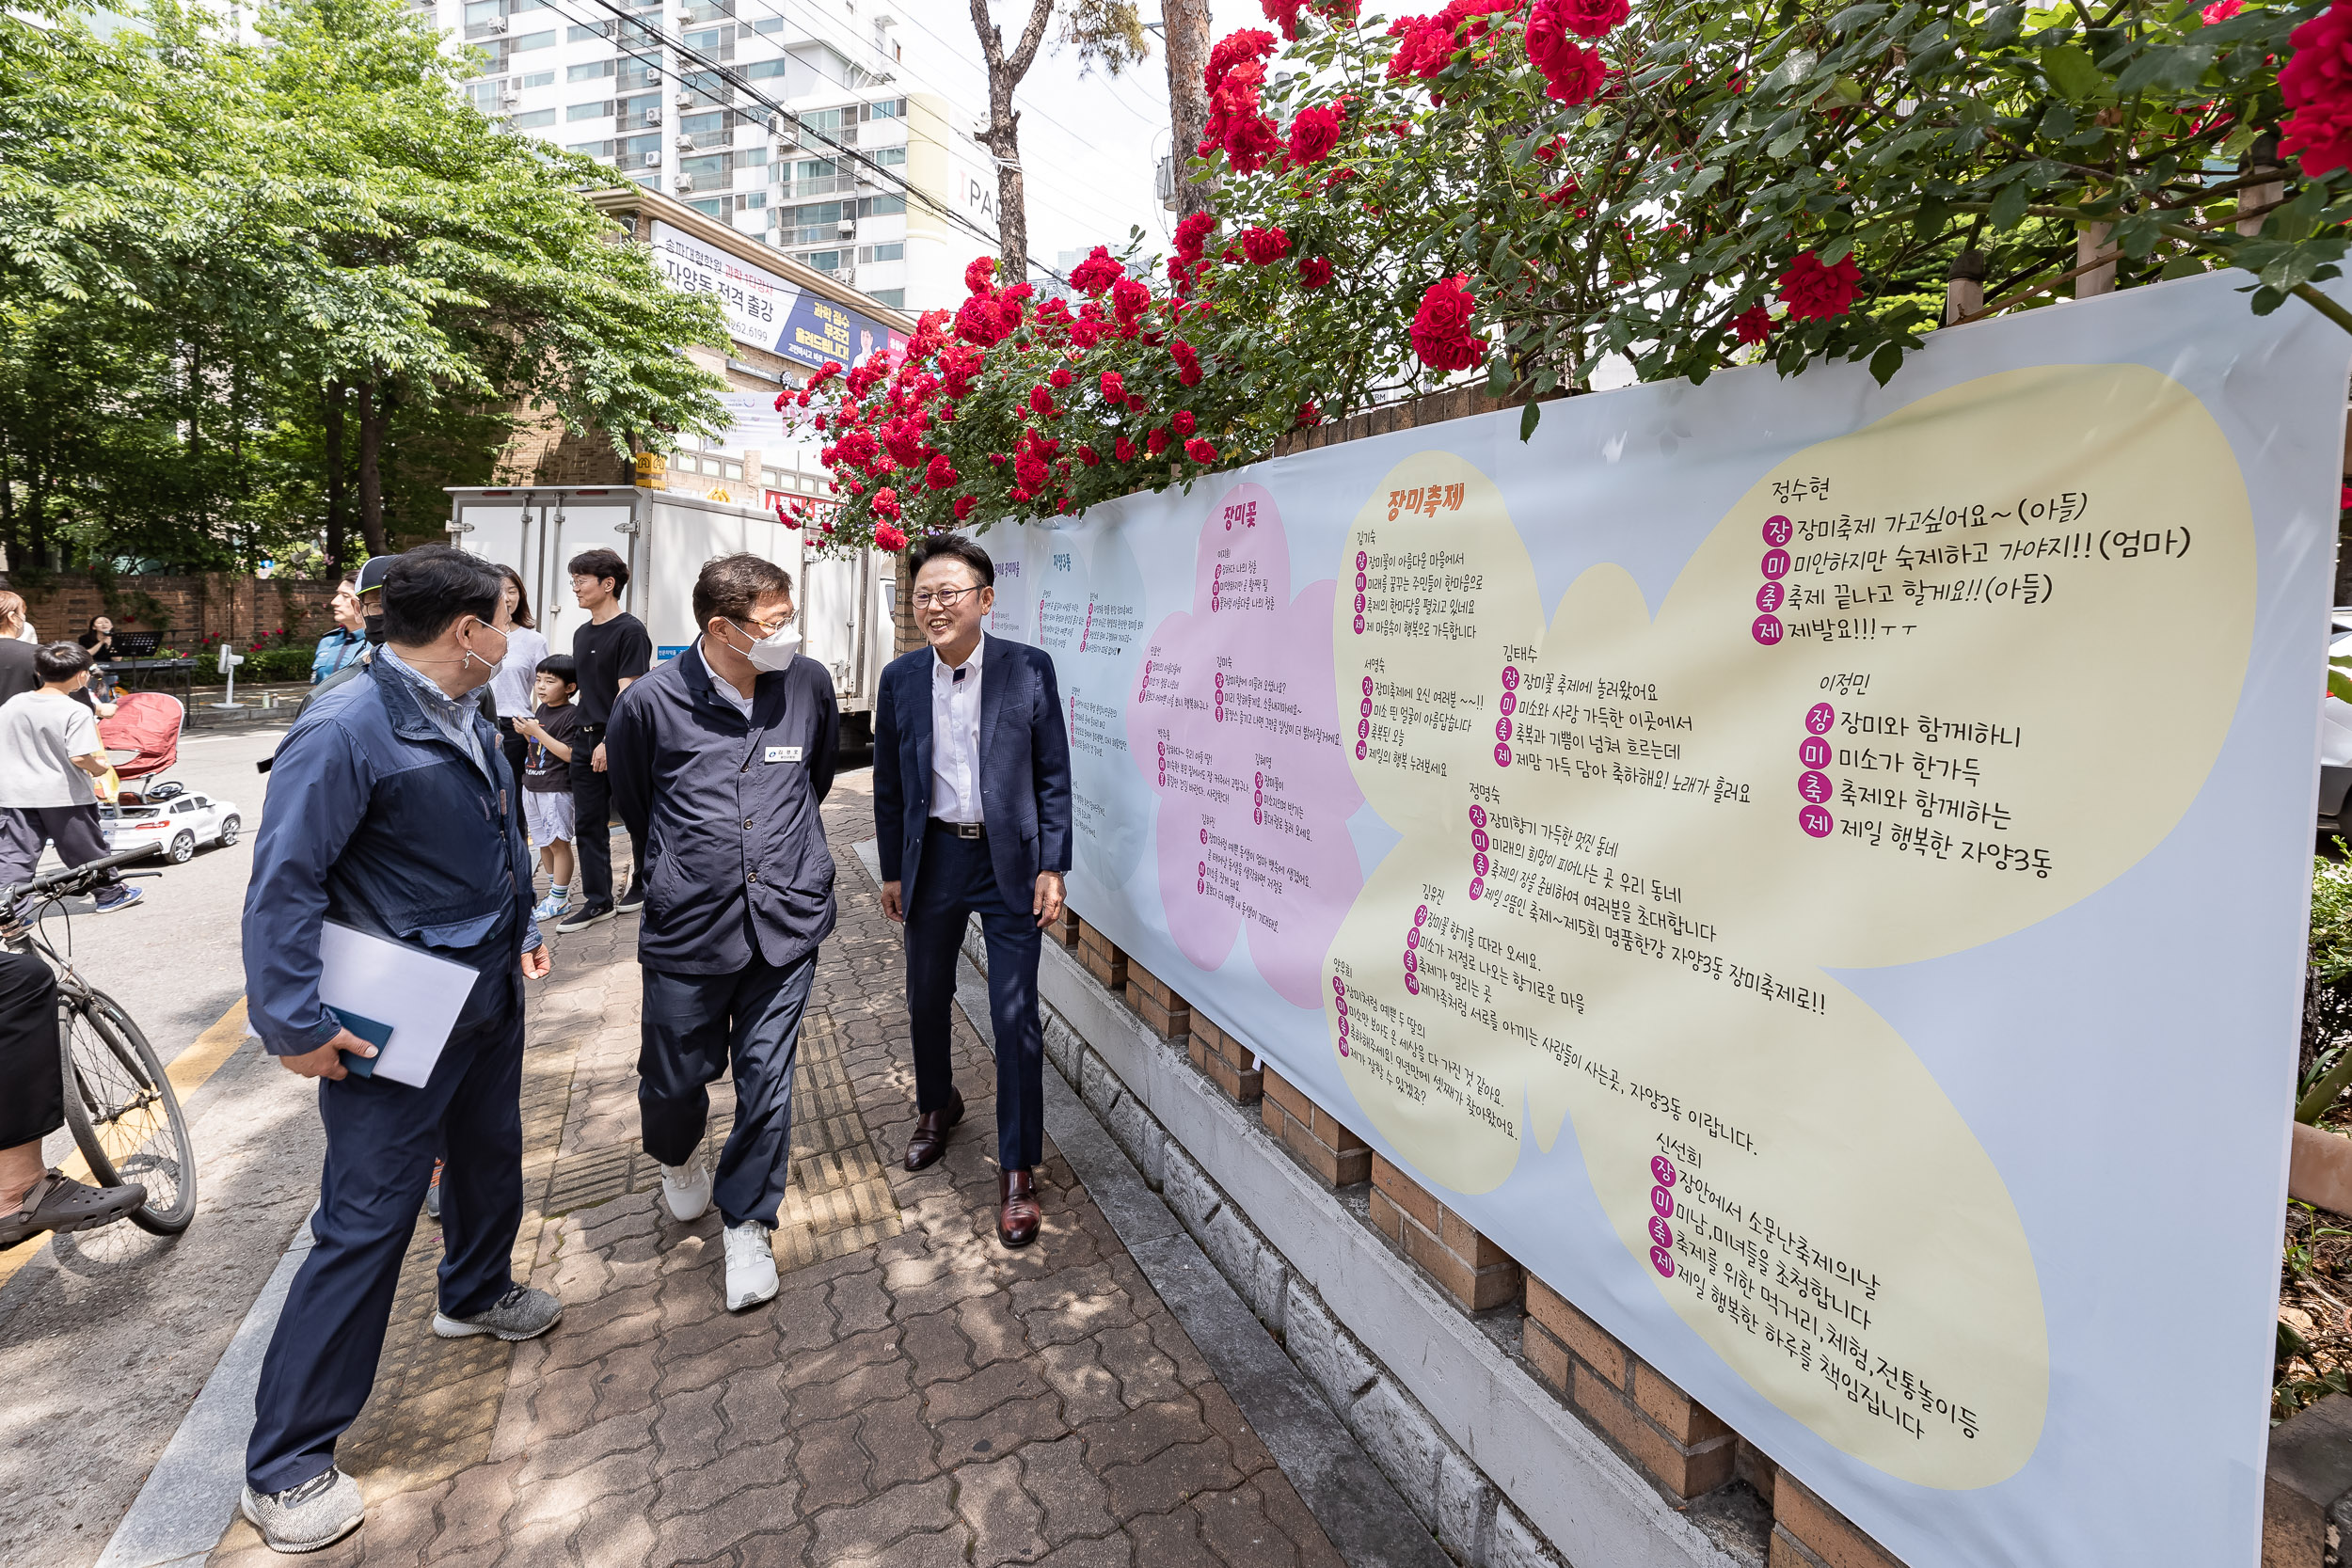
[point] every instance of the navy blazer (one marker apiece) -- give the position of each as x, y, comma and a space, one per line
735, 863
1025, 767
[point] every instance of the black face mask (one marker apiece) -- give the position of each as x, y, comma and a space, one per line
375, 631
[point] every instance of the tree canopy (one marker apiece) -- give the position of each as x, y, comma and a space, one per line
258, 296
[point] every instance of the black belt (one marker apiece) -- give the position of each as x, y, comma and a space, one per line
962, 830
590, 729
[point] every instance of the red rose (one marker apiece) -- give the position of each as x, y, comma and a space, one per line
1572, 73
1060, 376
963, 507
1283, 14
1136, 405
1114, 387
1310, 413
1249, 44
1314, 270
1587, 19
1123, 450
885, 502
1265, 247
1441, 334
1753, 324
1192, 236
1184, 421
889, 538
940, 474
1041, 401
1088, 456
978, 273
2219, 11
1200, 451
1816, 292
1189, 376
1098, 272
1314, 133
1156, 442
2316, 83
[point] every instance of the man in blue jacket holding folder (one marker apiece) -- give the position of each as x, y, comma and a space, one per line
392, 814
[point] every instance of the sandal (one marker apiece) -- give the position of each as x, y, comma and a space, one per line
59, 1204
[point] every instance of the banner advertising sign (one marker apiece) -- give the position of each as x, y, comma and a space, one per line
1817, 872
764, 310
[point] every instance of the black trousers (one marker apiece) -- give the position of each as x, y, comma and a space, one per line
79, 836
956, 880
32, 1082
697, 1026
381, 1141
592, 820
517, 750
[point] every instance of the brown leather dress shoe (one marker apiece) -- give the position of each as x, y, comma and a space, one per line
931, 1133
1018, 1219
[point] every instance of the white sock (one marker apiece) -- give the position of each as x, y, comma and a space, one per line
559, 890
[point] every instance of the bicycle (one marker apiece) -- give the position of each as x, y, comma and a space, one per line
121, 1107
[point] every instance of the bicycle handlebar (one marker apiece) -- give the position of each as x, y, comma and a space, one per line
73, 879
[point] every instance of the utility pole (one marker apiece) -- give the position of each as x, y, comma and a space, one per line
1186, 25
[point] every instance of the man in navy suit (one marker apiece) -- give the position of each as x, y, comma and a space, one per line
972, 816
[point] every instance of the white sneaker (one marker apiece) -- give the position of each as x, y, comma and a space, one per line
686, 1189
751, 1265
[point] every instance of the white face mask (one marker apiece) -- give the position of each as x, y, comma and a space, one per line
771, 653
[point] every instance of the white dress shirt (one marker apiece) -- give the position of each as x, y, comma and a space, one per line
955, 739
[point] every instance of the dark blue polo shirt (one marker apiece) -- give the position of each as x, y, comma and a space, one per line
736, 861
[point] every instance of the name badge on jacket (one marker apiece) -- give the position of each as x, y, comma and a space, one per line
783, 753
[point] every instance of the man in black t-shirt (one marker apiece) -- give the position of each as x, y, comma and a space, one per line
611, 651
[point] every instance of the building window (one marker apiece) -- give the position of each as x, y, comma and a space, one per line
539, 79
590, 149
894, 298
535, 119
486, 95
730, 470
588, 72
888, 156
535, 41
589, 111
716, 207
581, 35
897, 252
703, 125
880, 206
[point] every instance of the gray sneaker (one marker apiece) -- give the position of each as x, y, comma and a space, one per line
522, 1313
319, 1513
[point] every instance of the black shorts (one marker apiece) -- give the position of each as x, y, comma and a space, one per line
32, 1082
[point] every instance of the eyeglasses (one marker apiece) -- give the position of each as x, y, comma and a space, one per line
770, 628
945, 598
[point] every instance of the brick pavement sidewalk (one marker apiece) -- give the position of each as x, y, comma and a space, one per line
916, 1394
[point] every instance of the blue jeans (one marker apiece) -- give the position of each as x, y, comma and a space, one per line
697, 1026
954, 881
381, 1141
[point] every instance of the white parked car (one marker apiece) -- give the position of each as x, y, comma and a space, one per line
179, 822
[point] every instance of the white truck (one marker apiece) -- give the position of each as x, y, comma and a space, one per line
845, 602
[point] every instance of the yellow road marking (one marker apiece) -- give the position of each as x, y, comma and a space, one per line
188, 1072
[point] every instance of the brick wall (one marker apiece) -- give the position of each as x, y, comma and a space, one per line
184, 608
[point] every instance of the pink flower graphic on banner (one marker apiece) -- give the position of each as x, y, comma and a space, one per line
1235, 724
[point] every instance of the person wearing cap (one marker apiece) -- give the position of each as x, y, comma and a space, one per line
348, 643
392, 812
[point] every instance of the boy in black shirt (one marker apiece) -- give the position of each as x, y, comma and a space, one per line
548, 732
608, 653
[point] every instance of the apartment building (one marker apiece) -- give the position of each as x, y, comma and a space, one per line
784, 120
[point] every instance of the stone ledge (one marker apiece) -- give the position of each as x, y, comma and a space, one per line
1428, 1370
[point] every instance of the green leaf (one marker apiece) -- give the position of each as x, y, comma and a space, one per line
1529, 415
2072, 72
2008, 208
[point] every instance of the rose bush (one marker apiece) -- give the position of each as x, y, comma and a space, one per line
1525, 187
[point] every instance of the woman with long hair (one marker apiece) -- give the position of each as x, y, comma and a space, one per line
510, 686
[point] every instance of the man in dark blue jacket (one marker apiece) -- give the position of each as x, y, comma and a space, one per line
972, 816
392, 812
719, 761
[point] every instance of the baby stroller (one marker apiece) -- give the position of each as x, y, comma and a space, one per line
146, 725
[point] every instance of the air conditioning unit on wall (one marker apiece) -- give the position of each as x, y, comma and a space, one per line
653, 160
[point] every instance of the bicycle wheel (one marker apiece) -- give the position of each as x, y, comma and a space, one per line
124, 1116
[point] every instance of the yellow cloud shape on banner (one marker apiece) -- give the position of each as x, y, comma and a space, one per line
1935, 731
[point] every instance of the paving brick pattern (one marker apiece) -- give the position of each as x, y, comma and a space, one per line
922, 1396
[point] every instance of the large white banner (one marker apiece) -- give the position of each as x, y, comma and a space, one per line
766, 310
1816, 871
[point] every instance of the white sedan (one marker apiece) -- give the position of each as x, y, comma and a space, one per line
179, 823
